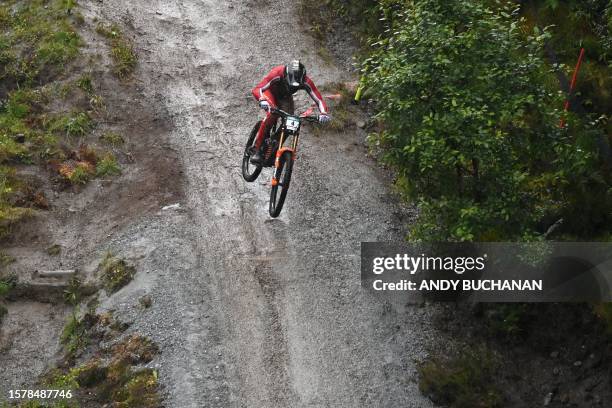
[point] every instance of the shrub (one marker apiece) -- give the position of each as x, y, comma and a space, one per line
470, 122
10, 214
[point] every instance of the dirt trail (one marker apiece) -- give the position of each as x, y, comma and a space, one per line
249, 311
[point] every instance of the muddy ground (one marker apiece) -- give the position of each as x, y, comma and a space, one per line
247, 311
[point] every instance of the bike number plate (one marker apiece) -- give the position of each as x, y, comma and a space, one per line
293, 123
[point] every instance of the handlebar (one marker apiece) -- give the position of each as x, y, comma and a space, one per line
282, 113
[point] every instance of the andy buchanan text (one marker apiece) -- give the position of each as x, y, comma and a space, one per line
458, 284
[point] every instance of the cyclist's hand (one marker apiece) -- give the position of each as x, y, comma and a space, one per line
265, 105
324, 118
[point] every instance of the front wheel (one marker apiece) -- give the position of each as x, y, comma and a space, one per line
282, 175
250, 172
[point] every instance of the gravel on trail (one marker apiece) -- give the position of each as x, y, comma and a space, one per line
251, 311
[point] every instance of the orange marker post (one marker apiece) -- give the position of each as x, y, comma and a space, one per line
572, 85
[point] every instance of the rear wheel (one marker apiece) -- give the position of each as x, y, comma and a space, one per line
250, 171
279, 192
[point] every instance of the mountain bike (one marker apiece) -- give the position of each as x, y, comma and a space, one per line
276, 154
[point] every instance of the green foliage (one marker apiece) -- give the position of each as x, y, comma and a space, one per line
74, 336
470, 122
72, 294
463, 381
60, 48
116, 273
37, 41
60, 381
5, 287
125, 58
7, 283
140, 390
85, 82
71, 124
108, 166
111, 376
112, 138
9, 213
582, 24
5, 259
122, 50
14, 128
80, 175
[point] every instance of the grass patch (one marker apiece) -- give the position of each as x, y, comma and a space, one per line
73, 124
58, 380
112, 138
108, 166
73, 293
116, 273
82, 165
136, 349
38, 44
10, 216
122, 50
5, 288
77, 172
5, 260
97, 103
7, 283
85, 83
462, 381
111, 377
74, 335
36, 40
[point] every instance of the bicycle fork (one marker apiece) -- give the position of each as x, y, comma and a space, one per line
293, 149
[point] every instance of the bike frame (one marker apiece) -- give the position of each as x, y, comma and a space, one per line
282, 149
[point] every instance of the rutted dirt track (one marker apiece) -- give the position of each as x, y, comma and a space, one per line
249, 311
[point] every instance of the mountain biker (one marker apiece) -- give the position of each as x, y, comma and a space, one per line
276, 91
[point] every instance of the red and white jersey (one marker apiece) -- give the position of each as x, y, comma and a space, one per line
274, 87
